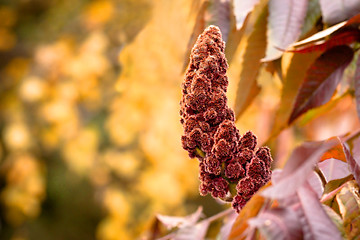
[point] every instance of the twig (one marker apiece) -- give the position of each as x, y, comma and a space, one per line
321, 176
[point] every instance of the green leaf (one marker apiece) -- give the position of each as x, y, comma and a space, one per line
343, 33
234, 39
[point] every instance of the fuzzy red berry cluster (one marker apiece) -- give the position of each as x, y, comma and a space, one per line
231, 167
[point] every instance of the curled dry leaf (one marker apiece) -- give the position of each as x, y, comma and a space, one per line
331, 189
349, 205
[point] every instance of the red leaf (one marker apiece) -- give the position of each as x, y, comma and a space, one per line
319, 223
336, 152
297, 169
321, 80
357, 86
354, 21
278, 224
315, 222
284, 25
335, 11
333, 169
340, 34
315, 182
354, 163
343, 38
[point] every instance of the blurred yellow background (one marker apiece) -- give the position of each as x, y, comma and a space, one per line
90, 133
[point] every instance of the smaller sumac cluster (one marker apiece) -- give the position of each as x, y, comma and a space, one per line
231, 167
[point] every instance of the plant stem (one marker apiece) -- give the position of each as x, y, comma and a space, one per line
199, 152
321, 176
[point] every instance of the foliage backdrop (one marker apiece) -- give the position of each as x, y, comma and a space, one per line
87, 153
